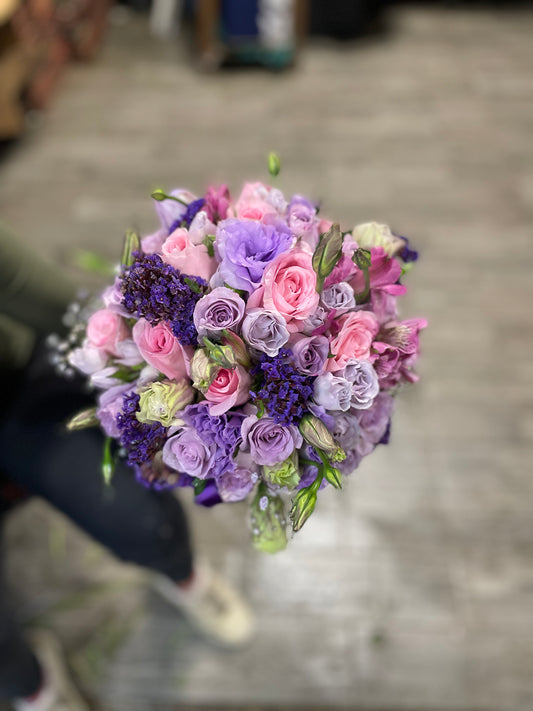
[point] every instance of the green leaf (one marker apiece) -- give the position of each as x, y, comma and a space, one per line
327, 254
193, 285
209, 241
132, 243
199, 485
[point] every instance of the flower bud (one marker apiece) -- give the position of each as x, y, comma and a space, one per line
235, 342
84, 419
160, 402
332, 475
274, 164
219, 354
303, 506
315, 433
268, 520
284, 474
327, 254
203, 370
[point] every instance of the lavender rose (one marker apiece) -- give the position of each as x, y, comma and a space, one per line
345, 430
365, 384
310, 353
332, 392
302, 219
265, 331
268, 442
245, 248
186, 452
315, 321
220, 309
236, 485
339, 297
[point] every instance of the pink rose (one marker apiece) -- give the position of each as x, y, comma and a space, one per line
229, 388
160, 348
357, 331
105, 329
178, 251
253, 203
289, 287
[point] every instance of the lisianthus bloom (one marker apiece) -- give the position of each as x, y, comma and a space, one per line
109, 405
303, 220
245, 249
256, 201
160, 401
372, 234
384, 271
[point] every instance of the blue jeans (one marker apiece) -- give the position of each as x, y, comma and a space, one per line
37, 453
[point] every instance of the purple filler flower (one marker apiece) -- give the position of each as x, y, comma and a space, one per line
221, 308
365, 384
268, 442
265, 331
310, 353
186, 452
246, 247
332, 392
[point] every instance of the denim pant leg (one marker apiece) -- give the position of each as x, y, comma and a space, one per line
138, 525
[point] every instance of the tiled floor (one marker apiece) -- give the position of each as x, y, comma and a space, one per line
414, 587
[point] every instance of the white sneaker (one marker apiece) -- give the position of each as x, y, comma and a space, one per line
58, 692
211, 605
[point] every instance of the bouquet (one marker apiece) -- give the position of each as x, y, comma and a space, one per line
249, 349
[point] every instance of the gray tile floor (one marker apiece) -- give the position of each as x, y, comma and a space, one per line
413, 588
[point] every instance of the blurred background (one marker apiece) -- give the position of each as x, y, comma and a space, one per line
413, 589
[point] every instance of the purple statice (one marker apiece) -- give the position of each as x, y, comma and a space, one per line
193, 208
406, 253
222, 431
141, 441
157, 292
283, 390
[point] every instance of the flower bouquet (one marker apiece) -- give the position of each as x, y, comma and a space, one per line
249, 349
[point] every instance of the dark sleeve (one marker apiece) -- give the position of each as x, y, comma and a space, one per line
32, 292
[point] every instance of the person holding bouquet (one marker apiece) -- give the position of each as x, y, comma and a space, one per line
39, 457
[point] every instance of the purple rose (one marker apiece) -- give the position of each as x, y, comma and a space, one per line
245, 248
265, 331
339, 297
109, 405
302, 219
186, 452
374, 422
221, 308
316, 320
268, 442
332, 392
365, 383
236, 485
309, 353
345, 430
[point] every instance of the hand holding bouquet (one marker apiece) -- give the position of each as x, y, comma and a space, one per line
249, 349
